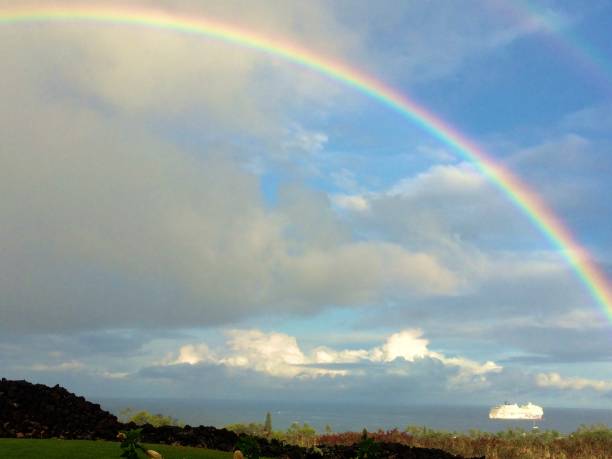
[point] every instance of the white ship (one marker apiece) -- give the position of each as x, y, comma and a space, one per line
514, 411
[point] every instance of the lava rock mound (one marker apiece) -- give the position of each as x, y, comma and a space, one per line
39, 411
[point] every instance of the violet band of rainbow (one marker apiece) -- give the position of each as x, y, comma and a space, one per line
510, 185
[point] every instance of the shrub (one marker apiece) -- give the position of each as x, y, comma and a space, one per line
130, 443
249, 447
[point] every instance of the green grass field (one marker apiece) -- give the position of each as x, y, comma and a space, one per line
11, 448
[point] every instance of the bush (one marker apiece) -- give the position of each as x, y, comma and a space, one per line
249, 447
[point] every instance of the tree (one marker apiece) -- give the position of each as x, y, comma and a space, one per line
303, 435
144, 417
367, 448
268, 424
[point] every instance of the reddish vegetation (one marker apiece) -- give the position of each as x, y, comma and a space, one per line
594, 442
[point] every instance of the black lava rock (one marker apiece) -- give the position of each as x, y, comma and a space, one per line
39, 411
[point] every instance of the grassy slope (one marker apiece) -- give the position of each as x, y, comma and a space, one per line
11, 448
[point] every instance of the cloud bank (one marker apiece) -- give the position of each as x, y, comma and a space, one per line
279, 355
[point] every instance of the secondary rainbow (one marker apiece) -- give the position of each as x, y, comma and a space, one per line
558, 34
523, 197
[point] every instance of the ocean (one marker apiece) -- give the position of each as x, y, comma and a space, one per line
352, 417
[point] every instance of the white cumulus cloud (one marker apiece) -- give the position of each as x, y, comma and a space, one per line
279, 355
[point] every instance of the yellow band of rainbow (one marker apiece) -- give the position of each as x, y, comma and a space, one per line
519, 193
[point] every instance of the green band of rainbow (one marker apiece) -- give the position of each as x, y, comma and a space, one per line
524, 198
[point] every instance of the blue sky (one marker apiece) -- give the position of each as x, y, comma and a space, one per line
177, 211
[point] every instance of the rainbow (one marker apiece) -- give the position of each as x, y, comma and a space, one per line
517, 192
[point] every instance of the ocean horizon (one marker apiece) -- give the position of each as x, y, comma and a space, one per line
343, 417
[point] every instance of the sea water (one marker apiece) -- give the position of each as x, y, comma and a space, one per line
352, 416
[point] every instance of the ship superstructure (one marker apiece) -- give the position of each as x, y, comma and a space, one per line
514, 411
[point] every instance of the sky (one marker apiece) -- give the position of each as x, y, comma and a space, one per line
186, 217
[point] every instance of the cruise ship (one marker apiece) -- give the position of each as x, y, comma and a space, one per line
514, 411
